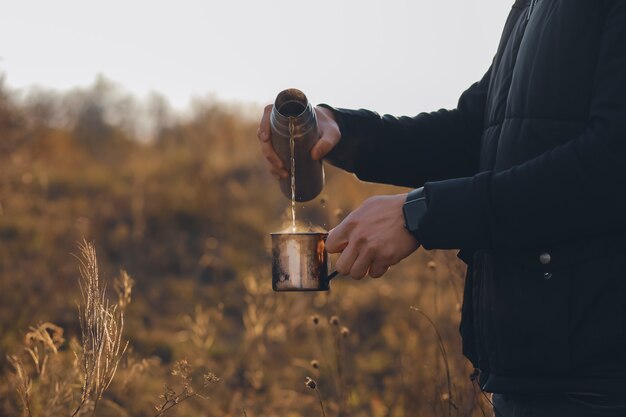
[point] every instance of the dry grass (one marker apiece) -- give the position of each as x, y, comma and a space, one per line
172, 398
101, 348
447, 397
310, 383
96, 356
188, 214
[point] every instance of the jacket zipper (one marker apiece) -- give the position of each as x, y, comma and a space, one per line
530, 9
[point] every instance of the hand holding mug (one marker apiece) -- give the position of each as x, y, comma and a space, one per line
372, 238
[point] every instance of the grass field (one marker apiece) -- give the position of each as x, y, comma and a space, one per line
179, 317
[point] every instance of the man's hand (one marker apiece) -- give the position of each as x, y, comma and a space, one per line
329, 131
372, 238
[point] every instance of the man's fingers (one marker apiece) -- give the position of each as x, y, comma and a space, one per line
360, 266
346, 260
337, 239
378, 270
278, 173
263, 133
277, 167
270, 154
330, 133
322, 147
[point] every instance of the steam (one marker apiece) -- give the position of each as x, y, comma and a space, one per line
302, 227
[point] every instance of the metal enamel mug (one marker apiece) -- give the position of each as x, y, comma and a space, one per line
300, 262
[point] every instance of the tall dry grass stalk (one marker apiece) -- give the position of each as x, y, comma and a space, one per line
23, 383
310, 383
45, 383
340, 333
38, 387
41, 342
447, 397
123, 286
337, 337
101, 324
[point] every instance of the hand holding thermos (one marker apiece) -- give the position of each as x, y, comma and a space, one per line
328, 132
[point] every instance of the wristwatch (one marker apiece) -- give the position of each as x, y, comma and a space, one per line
414, 209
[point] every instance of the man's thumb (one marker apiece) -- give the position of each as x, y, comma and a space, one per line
321, 148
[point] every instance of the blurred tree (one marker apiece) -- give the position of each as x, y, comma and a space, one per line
12, 122
102, 116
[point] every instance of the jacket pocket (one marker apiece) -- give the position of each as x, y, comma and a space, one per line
560, 310
528, 319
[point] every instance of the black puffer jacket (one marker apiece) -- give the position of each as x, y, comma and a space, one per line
528, 177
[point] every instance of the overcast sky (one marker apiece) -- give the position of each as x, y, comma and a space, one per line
393, 56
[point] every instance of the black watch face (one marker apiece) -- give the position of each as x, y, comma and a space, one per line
413, 213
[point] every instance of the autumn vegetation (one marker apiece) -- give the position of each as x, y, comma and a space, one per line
135, 276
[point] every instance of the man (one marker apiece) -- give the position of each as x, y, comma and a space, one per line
527, 176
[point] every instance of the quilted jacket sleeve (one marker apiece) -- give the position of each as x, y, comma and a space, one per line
575, 190
409, 151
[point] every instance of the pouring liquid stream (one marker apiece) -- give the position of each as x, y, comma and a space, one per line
293, 174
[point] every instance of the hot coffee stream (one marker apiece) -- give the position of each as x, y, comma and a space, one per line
292, 147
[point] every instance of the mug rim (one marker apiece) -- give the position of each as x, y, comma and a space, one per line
297, 233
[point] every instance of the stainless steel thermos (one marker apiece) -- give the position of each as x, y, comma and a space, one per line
293, 115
